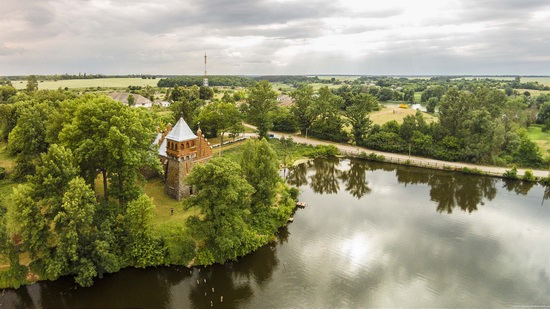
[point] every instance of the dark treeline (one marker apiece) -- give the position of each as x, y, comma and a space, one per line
215, 80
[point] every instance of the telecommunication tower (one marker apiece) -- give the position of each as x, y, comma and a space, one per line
205, 80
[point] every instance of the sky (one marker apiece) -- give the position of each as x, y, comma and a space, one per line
275, 37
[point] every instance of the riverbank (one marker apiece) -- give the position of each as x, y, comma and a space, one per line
361, 152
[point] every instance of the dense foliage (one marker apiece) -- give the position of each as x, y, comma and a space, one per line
220, 80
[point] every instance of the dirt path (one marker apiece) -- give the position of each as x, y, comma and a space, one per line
401, 158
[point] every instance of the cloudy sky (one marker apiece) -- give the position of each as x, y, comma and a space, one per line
275, 37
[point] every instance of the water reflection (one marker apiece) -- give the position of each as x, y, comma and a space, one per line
449, 190
234, 281
327, 175
518, 186
145, 288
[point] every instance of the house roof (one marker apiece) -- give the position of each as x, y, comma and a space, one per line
123, 97
181, 132
162, 148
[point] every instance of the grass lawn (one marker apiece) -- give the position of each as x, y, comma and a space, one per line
87, 83
541, 138
391, 112
154, 188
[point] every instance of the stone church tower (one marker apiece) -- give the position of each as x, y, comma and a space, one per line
180, 149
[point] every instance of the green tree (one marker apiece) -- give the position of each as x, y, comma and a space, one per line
260, 167
32, 83
6, 92
329, 123
408, 95
75, 232
131, 100
432, 104
206, 93
357, 115
143, 245
110, 138
219, 118
224, 200
261, 100
303, 108
28, 139
284, 120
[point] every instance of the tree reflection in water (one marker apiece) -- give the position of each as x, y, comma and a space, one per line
325, 178
449, 190
327, 175
355, 179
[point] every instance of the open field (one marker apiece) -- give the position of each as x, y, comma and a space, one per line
541, 138
534, 93
544, 80
391, 112
90, 83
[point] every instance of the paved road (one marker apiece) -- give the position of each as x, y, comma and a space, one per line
394, 157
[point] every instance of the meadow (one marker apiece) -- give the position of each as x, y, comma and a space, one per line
89, 83
392, 111
541, 138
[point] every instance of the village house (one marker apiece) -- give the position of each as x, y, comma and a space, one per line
140, 101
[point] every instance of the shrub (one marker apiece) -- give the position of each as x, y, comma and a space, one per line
528, 176
3, 172
511, 174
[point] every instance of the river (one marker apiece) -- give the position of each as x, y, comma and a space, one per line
372, 235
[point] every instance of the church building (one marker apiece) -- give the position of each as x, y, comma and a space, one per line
179, 150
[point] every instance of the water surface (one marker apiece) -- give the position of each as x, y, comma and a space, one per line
373, 235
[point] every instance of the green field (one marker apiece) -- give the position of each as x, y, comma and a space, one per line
391, 112
89, 83
541, 138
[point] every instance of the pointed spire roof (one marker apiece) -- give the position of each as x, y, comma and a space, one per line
181, 132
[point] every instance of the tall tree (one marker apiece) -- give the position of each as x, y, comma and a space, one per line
261, 100
303, 108
224, 200
259, 164
219, 118
32, 83
110, 138
357, 115
144, 247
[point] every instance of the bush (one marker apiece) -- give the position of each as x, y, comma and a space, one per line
3, 172
528, 176
511, 174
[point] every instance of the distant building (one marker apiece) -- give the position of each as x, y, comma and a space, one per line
179, 150
284, 100
163, 103
140, 101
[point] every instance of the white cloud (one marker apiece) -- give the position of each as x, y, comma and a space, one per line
276, 37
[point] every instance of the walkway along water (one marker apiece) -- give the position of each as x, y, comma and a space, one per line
355, 151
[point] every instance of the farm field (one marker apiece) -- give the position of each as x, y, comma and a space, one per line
534, 93
544, 80
391, 112
89, 83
